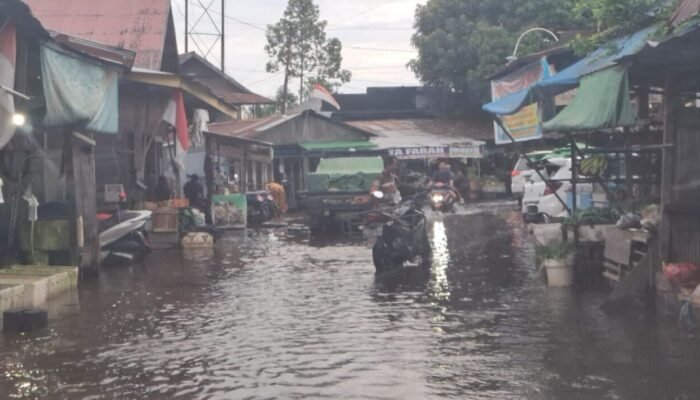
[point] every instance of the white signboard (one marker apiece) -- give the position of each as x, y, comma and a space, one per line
417, 153
113, 193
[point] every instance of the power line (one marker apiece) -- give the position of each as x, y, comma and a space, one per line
249, 24
267, 79
367, 11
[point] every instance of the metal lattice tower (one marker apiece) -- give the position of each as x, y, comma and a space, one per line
205, 27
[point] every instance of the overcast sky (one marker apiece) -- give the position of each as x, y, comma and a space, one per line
359, 24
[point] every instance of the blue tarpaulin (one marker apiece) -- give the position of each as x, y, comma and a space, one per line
569, 78
79, 92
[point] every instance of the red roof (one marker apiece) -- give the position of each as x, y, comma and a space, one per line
136, 25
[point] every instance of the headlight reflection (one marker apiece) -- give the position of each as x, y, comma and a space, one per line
441, 260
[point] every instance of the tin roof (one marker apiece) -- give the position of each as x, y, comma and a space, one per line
248, 128
113, 55
450, 129
135, 25
220, 83
686, 10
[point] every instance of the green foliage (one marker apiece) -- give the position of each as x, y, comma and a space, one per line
556, 250
298, 46
613, 18
593, 216
461, 42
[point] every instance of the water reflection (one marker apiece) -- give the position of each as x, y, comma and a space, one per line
270, 314
441, 261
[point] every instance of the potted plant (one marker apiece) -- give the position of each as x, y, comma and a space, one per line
558, 264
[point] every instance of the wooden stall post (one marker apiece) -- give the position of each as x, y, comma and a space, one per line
85, 238
672, 102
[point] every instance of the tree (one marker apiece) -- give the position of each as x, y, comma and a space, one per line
298, 45
461, 42
613, 18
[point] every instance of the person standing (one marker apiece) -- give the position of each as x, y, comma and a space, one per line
280, 196
194, 192
164, 190
387, 181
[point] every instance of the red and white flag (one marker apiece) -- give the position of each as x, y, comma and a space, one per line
322, 93
8, 56
175, 116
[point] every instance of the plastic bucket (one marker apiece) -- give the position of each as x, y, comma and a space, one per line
559, 273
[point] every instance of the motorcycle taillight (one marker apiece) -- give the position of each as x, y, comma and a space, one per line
371, 218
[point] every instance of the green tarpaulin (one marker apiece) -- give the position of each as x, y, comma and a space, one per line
602, 101
354, 174
327, 146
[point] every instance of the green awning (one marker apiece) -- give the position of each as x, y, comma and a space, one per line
338, 146
602, 101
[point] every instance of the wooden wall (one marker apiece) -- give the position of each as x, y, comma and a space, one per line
308, 128
683, 211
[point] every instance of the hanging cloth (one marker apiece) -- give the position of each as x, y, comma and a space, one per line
79, 92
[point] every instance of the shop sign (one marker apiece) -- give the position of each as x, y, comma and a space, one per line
467, 152
416, 153
526, 124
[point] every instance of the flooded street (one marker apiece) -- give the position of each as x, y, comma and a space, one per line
274, 316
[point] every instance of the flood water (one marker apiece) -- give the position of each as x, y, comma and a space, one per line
274, 316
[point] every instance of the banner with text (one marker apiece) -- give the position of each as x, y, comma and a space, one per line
526, 124
418, 153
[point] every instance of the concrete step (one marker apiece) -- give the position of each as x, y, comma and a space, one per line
23, 287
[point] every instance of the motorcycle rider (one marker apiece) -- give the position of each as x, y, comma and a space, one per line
444, 176
387, 181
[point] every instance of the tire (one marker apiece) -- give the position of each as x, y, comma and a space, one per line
382, 260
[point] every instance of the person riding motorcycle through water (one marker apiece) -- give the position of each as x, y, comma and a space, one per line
443, 178
387, 181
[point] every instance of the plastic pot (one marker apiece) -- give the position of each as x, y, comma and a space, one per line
560, 273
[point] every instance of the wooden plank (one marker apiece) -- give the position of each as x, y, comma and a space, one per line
618, 246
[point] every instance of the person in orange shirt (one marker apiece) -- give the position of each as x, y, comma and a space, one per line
280, 196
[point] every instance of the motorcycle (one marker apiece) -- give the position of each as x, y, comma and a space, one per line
123, 236
403, 238
442, 198
261, 207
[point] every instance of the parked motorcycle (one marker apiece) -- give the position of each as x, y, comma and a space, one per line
442, 198
404, 236
261, 207
123, 236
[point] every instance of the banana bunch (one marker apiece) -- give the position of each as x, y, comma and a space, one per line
594, 166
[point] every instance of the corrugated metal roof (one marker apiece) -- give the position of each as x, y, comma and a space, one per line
136, 25
392, 133
247, 128
686, 10
113, 55
221, 84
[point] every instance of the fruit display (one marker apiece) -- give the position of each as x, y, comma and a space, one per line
594, 166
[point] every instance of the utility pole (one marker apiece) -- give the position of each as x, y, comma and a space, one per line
223, 36
204, 31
